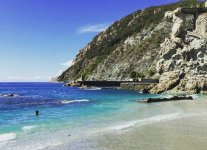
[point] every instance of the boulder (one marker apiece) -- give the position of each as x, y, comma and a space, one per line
174, 98
168, 81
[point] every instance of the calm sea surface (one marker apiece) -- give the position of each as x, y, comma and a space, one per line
60, 108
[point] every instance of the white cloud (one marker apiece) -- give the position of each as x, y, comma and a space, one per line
34, 78
58, 73
67, 63
96, 28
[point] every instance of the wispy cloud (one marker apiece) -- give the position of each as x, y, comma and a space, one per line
95, 28
34, 78
67, 63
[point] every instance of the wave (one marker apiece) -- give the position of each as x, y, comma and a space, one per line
74, 101
195, 96
150, 120
7, 137
27, 128
94, 89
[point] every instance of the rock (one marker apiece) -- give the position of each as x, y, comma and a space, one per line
174, 49
193, 84
67, 84
168, 81
174, 98
179, 21
201, 22
184, 69
72, 84
10, 95
145, 91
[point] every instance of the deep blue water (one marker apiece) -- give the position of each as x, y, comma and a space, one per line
17, 113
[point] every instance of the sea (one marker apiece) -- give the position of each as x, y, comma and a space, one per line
74, 118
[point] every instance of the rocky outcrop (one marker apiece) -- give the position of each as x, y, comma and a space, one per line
201, 28
130, 44
174, 98
168, 81
178, 28
147, 44
184, 69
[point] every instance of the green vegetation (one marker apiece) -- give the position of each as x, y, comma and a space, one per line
136, 75
193, 3
104, 44
150, 72
133, 74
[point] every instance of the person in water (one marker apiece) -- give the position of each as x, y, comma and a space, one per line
37, 113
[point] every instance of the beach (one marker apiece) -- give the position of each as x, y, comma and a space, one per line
184, 129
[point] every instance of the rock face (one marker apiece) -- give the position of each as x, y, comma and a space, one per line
130, 44
178, 28
184, 68
150, 45
201, 28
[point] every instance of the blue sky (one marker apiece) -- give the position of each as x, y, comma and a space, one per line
40, 38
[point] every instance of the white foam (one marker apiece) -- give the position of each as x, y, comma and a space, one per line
27, 128
74, 101
93, 89
46, 145
7, 137
195, 96
145, 121
82, 100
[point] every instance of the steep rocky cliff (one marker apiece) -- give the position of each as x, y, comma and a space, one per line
146, 44
130, 44
182, 65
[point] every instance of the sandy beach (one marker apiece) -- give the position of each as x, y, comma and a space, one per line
184, 129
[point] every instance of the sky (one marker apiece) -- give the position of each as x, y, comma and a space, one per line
40, 38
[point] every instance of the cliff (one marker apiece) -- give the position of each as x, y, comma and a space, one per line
182, 65
146, 44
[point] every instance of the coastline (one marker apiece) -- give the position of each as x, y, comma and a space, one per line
110, 119
185, 129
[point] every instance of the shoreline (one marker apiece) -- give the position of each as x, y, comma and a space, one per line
157, 120
167, 131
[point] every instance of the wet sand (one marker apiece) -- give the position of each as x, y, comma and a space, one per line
178, 125
185, 129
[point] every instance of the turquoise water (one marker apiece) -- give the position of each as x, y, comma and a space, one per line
72, 118
60, 107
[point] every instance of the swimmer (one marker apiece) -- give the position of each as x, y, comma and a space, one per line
37, 113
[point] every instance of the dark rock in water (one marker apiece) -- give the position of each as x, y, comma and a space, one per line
174, 98
67, 84
72, 84
145, 91
9, 95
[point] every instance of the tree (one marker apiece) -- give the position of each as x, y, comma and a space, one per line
133, 74
193, 3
